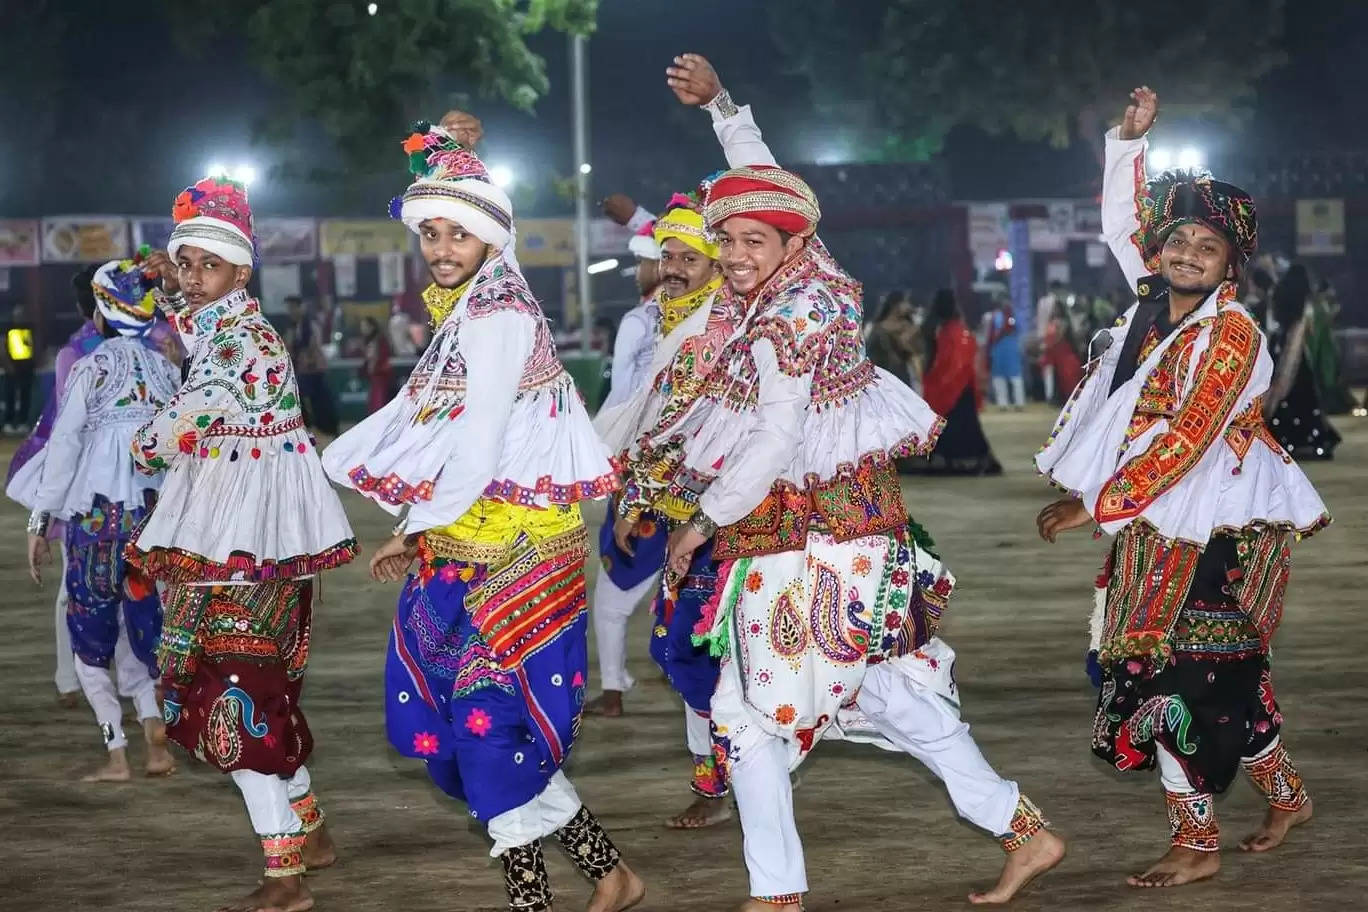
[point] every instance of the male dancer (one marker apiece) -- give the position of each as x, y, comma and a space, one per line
826, 606
489, 448
633, 547
1164, 446
245, 520
85, 476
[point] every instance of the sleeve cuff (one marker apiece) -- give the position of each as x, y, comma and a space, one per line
722, 107
639, 219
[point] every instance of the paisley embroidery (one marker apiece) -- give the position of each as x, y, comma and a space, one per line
830, 630
788, 633
232, 707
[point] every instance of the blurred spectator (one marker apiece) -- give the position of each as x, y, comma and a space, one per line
375, 367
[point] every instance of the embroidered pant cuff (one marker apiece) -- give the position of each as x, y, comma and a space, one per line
588, 846
309, 813
525, 879
1026, 822
1192, 821
1277, 779
284, 854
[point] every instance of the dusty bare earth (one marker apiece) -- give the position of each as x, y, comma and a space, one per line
880, 833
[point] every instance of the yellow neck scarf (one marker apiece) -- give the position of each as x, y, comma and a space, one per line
440, 302
675, 311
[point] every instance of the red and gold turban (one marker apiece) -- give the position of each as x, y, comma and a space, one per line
765, 193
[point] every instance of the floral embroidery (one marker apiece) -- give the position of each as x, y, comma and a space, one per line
425, 743
861, 565
478, 722
785, 714
755, 581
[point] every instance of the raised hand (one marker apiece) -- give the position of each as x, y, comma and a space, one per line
160, 265
1140, 113
619, 207
693, 79
465, 128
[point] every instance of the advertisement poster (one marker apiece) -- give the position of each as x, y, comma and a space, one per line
546, 242
287, 240
85, 238
363, 237
19, 243
1320, 227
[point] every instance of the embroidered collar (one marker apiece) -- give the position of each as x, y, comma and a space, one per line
440, 302
205, 321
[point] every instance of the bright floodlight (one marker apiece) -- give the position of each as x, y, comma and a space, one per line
217, 170
585, 168
1161, 159
1003, 261
501, 175
373, 8
245, 174
601, 266
1190, 158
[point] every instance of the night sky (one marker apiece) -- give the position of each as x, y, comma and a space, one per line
188, 112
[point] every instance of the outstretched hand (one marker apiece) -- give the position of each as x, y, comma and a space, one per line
619, 207
465, 128
1140, 113
693, 79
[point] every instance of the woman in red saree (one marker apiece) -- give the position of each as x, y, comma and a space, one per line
376, 369
1057, 352
951, 387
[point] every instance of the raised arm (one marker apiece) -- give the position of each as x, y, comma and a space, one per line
695, 82
1123, 181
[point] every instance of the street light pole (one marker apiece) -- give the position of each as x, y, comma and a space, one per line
579, 82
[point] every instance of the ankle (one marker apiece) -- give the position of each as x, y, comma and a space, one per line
1192, 821
284, 856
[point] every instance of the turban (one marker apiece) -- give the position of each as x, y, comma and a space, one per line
214, 215
768, 194
123, 295
1179, 198
450, 182
685, 223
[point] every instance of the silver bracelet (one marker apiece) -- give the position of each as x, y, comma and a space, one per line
703, 525
723, 105
38, 523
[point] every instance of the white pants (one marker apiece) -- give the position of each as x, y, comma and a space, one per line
1000, 392
1176, 781
268, 799
66, 679
914, 720
100, 692
553, 808
697, 732
612, 608
1047, 374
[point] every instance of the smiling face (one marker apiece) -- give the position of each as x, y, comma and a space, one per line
1195, 259
205, 277
751, 251
683, 269
452, 253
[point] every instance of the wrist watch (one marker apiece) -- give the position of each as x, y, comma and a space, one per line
701, 524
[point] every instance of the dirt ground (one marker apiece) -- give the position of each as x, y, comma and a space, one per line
879, 830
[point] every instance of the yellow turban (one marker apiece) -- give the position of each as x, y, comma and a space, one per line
685, 225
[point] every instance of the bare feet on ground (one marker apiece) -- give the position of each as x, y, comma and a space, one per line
1041, 853
159, 759
319, 851
1179, 866
69, 700
608, 703
704, 812
1275, 828
115, 770
620, 889
276, 894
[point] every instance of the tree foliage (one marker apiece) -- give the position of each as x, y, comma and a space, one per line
1051, 71
360, 76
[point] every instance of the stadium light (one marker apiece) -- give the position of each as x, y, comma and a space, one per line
1191, 158
1161, 158
501, 175
602, 266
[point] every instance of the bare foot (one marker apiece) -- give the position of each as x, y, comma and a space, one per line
319, 851
116, 770
608, 703
159, 759
276, 894
1275, 828
69, 700
755, 905
704, 812
1041, 852
619, 889
1179, 866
